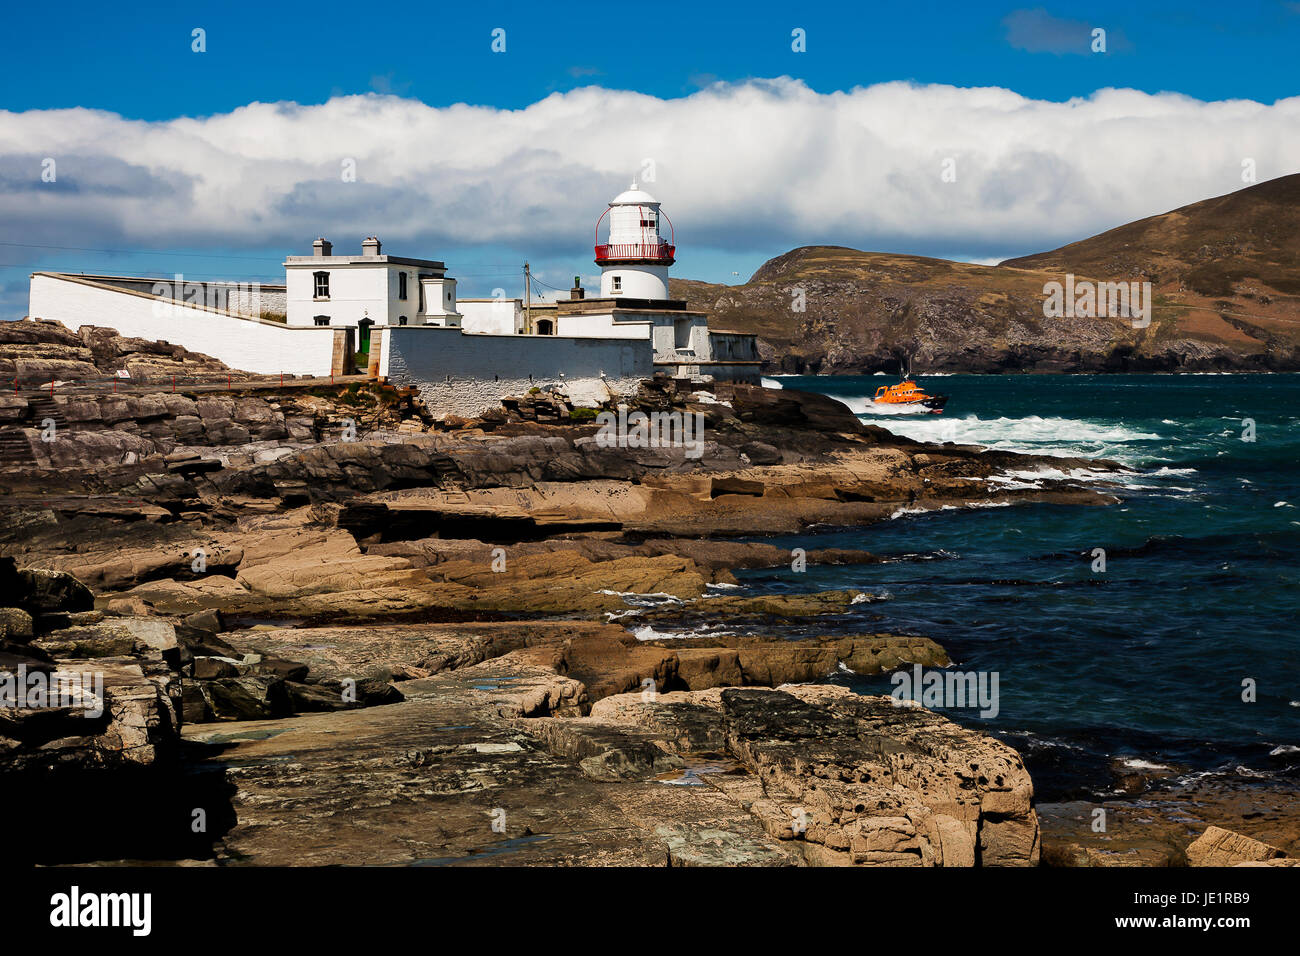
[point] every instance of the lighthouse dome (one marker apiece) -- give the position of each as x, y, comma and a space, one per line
634, 195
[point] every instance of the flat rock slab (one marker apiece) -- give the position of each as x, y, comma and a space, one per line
473, 768
423, 782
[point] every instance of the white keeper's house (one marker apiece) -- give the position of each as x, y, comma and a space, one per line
400, 318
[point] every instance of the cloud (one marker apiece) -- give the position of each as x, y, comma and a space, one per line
753, 167
1037, 31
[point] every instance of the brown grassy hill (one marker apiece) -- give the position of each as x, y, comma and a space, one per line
1246, 241
1225, 273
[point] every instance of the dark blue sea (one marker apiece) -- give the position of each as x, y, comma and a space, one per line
1141, 665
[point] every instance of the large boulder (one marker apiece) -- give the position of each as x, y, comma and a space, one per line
42, 591
790, 408
15, 625
1220, 847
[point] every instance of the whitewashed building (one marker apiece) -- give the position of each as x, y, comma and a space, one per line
400, 318
367, 289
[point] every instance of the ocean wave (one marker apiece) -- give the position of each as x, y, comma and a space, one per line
1058, 437
770, 382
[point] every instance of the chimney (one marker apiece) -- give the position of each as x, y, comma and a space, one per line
577, 292
370, 247
322, 247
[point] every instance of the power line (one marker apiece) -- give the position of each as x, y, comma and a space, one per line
140, 252
548, 285
200, 255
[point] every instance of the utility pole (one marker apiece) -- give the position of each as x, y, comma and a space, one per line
528, 300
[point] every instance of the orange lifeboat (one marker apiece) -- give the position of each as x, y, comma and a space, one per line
907, 392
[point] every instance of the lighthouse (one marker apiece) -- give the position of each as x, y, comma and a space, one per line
634, 259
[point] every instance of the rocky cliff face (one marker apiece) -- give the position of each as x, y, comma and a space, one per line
1225, 276
36, 352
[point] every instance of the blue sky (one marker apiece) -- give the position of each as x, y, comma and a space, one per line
136, 61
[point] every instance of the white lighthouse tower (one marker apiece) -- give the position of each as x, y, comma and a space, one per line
634, 259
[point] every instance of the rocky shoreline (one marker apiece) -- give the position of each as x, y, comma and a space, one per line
334, 630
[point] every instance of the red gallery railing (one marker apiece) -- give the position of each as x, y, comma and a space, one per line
661, 252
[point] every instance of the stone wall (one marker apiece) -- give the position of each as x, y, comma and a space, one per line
466, 374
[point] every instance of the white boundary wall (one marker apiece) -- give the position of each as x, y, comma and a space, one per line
251, 299
462, 373
250, 345
491, 316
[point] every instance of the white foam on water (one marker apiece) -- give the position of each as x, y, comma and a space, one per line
647, 633
770, 382
908, 511
651, 599
1054, 436
638, 602
969, 506
866, 406
1033, 478
862, 597
1060, 437
1009, 483
1137, 763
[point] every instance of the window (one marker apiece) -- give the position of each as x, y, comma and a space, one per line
616, 283
321, 319
682, 334
401, 285
322, 285
648, 223
401, 320
545, 327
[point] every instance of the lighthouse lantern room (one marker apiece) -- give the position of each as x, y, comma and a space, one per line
634, 260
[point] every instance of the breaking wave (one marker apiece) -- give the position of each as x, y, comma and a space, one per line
1060, 437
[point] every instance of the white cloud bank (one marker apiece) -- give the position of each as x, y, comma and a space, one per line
755, 166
